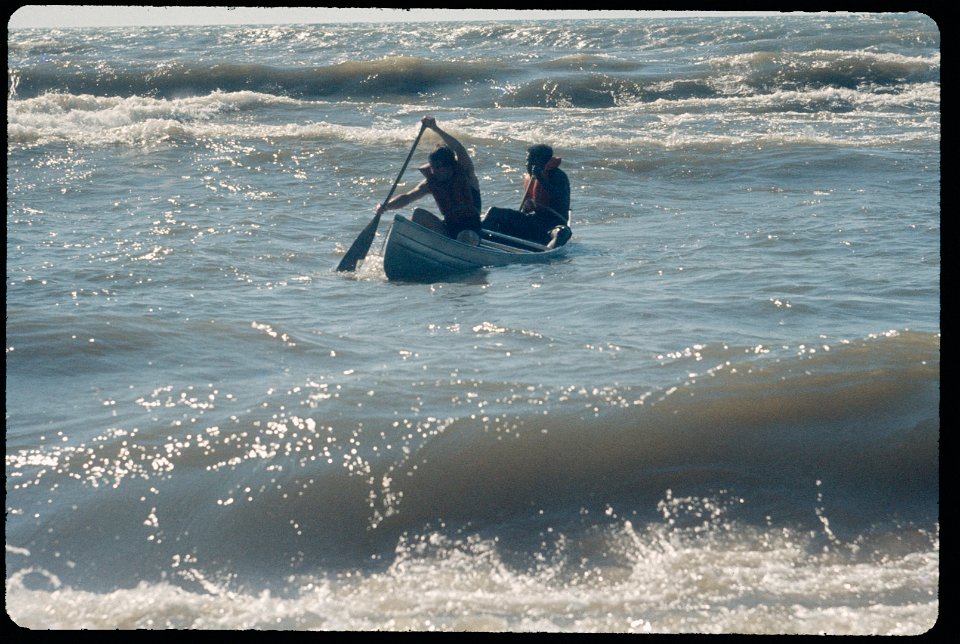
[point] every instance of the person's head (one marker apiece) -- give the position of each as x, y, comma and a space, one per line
443, 162
538, 155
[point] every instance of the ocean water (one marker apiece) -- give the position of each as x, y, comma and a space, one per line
718, 413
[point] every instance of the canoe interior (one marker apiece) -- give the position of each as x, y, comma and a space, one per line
416, 253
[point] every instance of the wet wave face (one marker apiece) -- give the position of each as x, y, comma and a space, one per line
295, 483
587, 81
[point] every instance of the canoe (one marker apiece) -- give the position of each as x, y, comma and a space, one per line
416, 253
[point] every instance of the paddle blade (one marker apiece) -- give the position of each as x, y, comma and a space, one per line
360, 247
362, 244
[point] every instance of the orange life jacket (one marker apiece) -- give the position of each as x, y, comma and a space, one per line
534, 190
455, 198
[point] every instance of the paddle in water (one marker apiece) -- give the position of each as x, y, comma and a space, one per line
361, 245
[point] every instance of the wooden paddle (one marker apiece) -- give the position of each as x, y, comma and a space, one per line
526, 192
362, 244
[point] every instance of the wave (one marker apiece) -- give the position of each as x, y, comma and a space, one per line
599, 91
853, 429
584, 62
866, 425
146, 122
687, 115
582, 80
846, 78
437, 582
776, 71
390, 77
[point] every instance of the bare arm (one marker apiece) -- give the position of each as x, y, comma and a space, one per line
463, 157
402, 200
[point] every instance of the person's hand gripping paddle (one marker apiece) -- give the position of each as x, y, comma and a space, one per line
359, 249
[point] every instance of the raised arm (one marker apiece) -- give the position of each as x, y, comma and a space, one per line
463, 157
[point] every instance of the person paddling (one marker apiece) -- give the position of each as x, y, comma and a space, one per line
452, 180
544, 215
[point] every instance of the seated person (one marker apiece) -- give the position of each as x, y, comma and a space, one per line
544, 215
452, 181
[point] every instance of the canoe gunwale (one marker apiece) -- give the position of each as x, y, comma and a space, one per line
414, 252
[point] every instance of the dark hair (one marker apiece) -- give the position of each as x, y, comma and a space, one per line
538, 155
443, 157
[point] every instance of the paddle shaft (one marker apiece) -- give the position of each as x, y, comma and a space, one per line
362, 244
526, 193
405, 164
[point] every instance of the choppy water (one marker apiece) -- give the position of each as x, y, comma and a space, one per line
719, 413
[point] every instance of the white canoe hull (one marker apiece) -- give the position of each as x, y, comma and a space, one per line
416, 253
